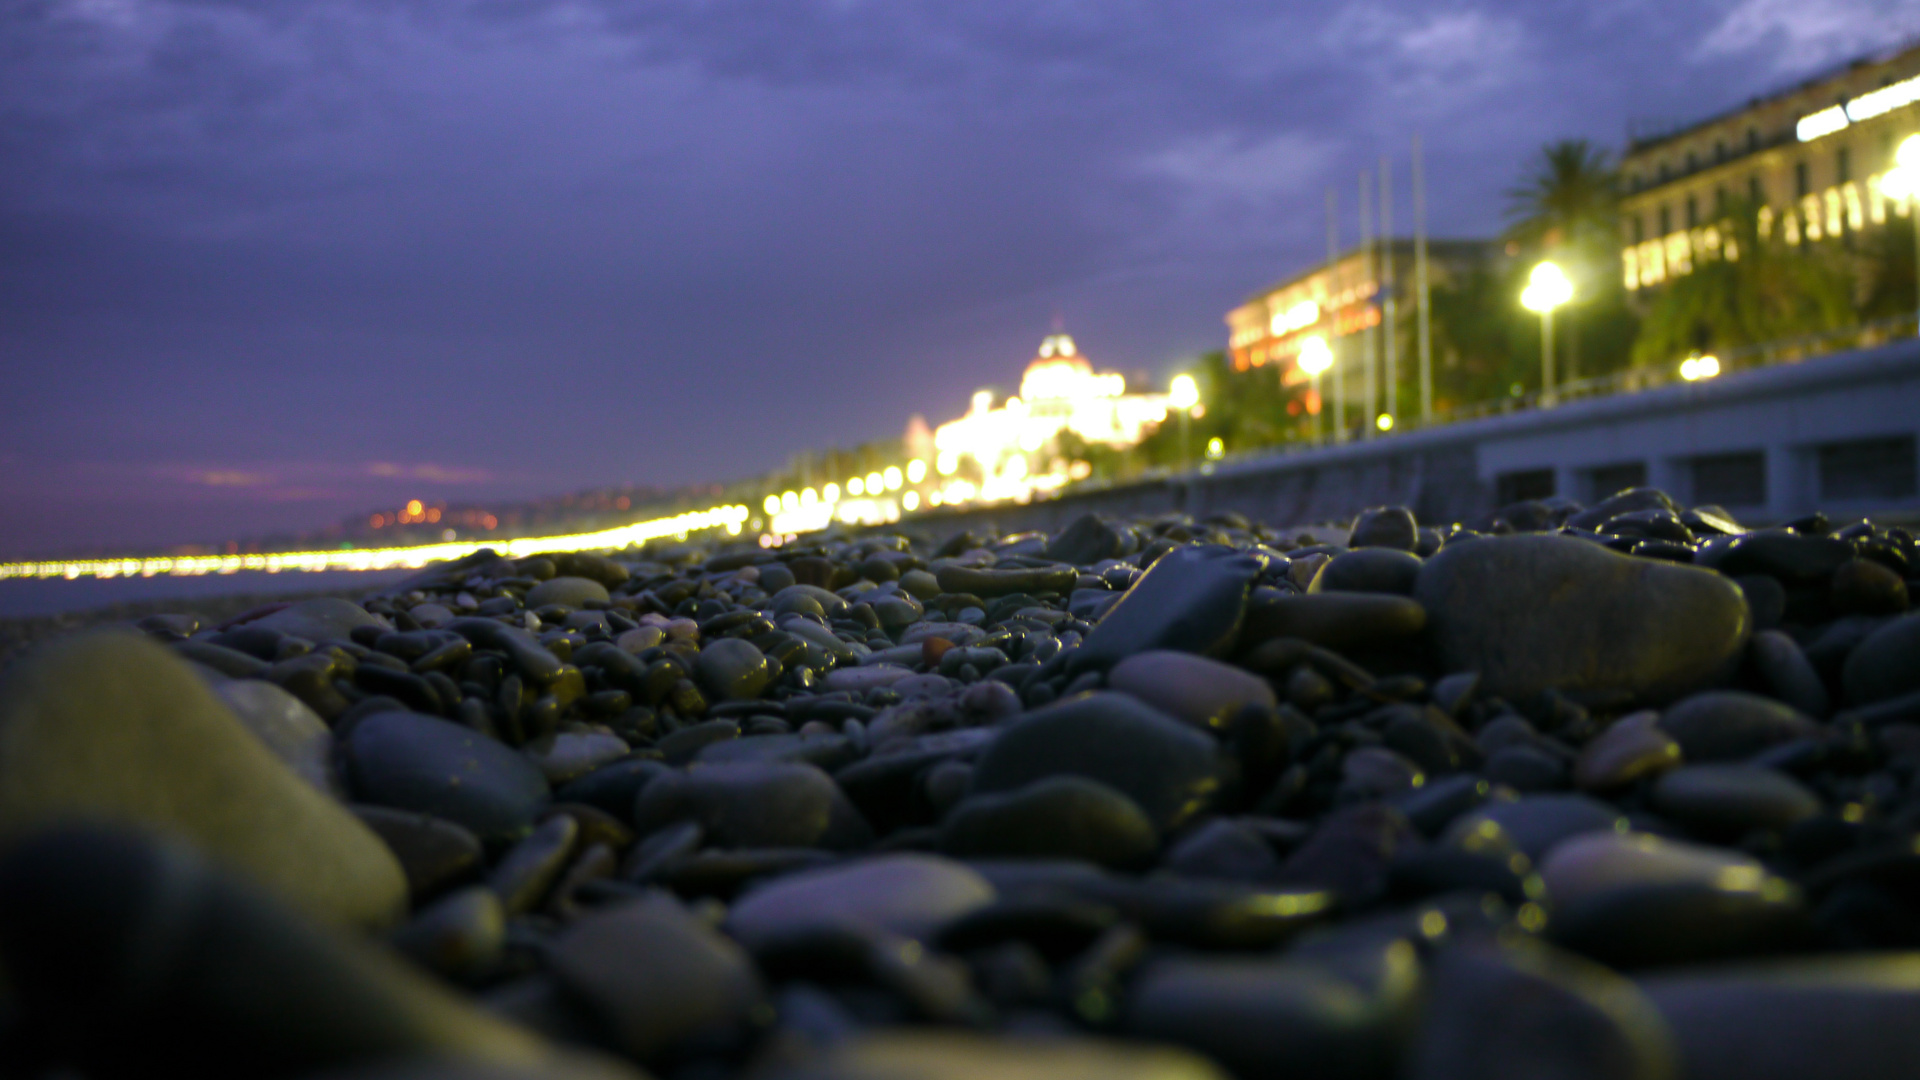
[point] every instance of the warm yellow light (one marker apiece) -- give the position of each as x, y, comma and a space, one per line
830, 493
1298, 317
1384, 421
1184, 393
414, 509
808, 497
911, 500
1903, 180
874, 484
892, 478
772, 505
789, 501
856, 486
1547, 288
1216, 448
1315, 355
1695, 368
916, 471
948, 463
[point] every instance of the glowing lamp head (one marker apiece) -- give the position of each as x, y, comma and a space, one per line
1184, 393
891, 478
1216, 448
1384, 421
1315, 355
1903, 180
1695, 368
1547, 288
772, 505
916, 471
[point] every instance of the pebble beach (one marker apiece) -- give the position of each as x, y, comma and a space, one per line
1626, 791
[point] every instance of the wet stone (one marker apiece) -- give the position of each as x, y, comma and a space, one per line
1370, 570
754, 804
1886, 664
733, 670
1191, 599
1385, 527
910, 895
1632, 748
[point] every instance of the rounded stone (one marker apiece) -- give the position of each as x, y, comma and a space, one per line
1533, 613
1886, 664
1370, 570
423, 763
1727, 725
1634, 747
1205, 693
733, 670
754, 804
114, 728
325, 618
573, 592
1063, 817
1725, 801
1171, 770
655, 975
286, 726
946, 1054
912, 895
1386, 527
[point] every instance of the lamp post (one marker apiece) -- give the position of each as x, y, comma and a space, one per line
1315, 358
1547, 288
1184, 396
1903, 182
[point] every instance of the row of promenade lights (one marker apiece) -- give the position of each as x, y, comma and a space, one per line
1548, 288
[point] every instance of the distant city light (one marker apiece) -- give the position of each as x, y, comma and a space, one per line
875, 484
1184, 393
789, 501
1825, 122
892, 478
911, 500
1695, 368
830, 493
1216, 448
948, 463
916, 471
730, 518
772, 505
856, 486
808, 497
1384, 421
1903, 180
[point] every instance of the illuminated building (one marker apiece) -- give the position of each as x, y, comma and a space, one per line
1809, 160
1337, 302
1011, 450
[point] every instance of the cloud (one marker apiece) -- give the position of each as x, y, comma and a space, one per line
431, 473
1806, 34
231, 478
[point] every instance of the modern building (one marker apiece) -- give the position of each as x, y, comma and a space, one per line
1808, 160
1010, 450
1344, 304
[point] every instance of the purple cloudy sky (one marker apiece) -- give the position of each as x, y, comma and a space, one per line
267, 262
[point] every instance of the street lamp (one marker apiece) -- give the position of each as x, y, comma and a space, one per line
1315, 358
1184, 396
1903, 182
1547, 288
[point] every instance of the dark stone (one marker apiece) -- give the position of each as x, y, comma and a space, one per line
1532, 613
1517, 1010
1790, 557
410, 762
1385, 527
1725, 801
1886, 664
1533, 825
1348, 1017
1205, 693
1336, 620
1191, 599
655, 975
1370, 570
1067, 817
986, 583
755, 804
571, 592
436, 855
1171, 770
1783, 669
1727, 725
1087, 541
1864, 587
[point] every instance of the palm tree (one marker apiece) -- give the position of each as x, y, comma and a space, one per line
1571, 198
